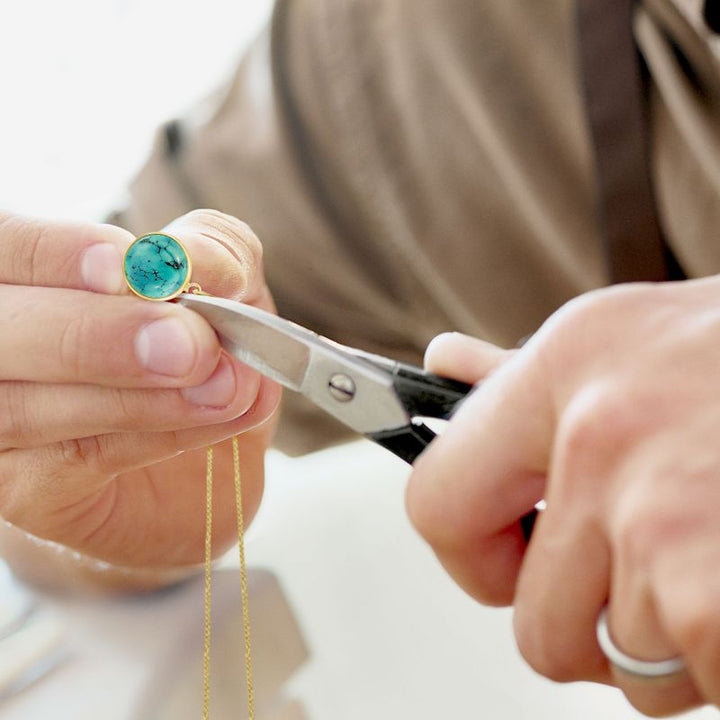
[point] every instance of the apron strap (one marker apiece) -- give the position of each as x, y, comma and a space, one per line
616, 108
711, 13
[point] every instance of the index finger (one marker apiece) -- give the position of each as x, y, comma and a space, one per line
77, 256
471, 486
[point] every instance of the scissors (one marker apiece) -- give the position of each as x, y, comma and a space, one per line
376, 396
383, 399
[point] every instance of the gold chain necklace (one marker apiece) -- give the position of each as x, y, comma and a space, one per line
243, 581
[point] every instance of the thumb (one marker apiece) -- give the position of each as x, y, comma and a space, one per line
226, 256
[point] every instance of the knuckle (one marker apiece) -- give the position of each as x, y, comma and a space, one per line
540, 648
31, 250
593, 426
86, 452
30, 238
40, 238
125, 414
597, 303
573, 318
604, 411
582, 426
599, 425
73, 338
16, 426
581, 325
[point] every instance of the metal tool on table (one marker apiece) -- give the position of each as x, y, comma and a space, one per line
383, 399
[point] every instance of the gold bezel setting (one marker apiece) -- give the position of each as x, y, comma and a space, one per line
186, 282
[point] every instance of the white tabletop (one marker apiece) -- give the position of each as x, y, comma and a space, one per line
385, 633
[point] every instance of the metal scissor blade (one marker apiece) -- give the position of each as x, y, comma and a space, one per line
273, 346
305, 362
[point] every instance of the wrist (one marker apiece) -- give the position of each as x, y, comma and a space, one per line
53, 567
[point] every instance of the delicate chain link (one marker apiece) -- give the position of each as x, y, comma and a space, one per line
243, 581
208, 583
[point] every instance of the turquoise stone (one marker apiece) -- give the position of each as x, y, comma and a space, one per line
156, 266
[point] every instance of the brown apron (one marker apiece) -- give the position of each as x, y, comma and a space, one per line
616, 108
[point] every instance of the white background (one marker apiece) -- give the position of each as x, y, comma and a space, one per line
85, 82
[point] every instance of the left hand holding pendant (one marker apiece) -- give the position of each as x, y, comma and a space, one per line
110, 401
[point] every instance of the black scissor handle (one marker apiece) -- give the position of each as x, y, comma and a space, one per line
422, 394
426, 395
406, 442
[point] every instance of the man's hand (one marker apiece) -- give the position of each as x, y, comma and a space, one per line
109, 401
612, 414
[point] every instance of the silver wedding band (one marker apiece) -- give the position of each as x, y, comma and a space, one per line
631, 665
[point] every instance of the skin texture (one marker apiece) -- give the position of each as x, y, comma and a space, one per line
105, 424
611, 412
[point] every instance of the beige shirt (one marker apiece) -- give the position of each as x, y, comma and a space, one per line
416, 166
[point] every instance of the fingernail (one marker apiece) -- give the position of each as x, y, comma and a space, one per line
101, 269
166, 347
217, 391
